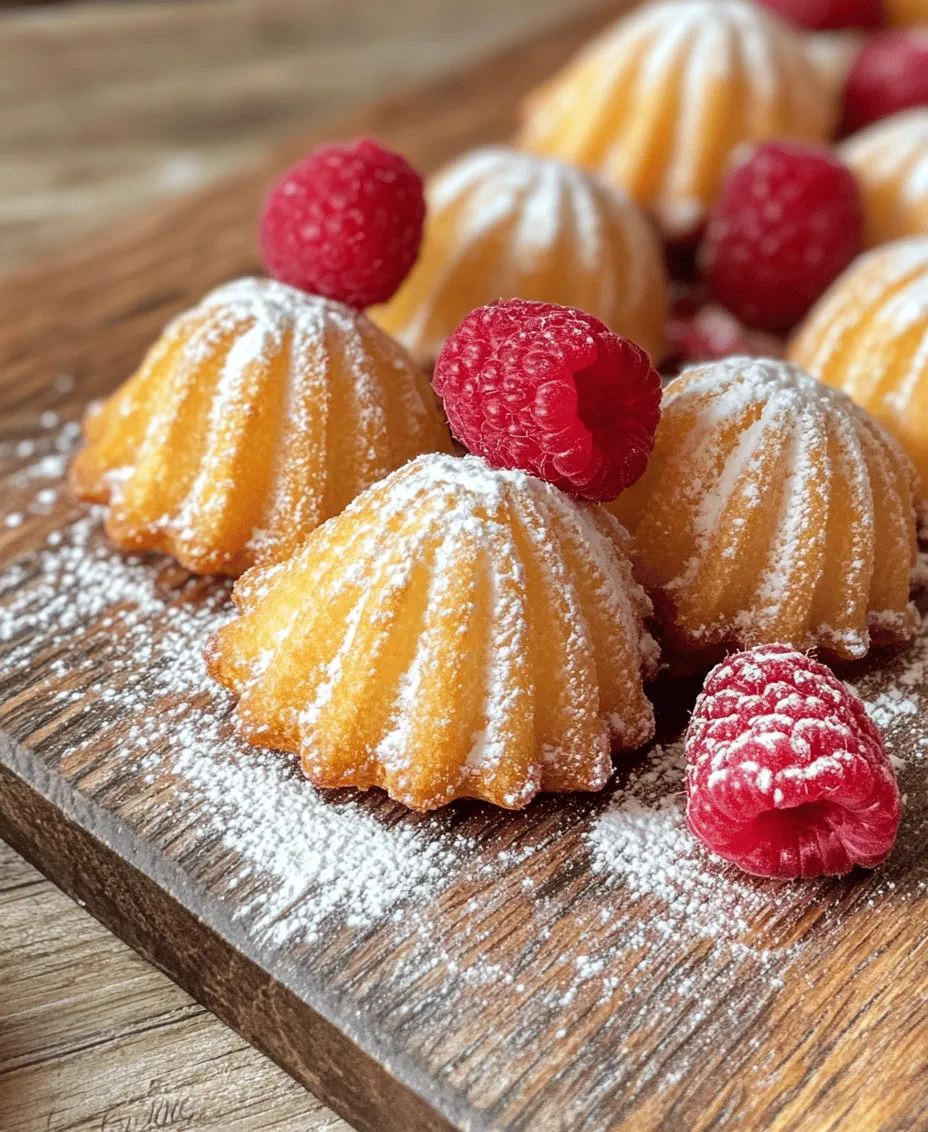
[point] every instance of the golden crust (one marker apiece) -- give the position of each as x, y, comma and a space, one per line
255, 417
868, 335
774, 509
658, 102
503, 224
906, 13
456, 632
890, 161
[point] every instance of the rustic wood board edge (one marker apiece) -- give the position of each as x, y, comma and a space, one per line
127, 885
57, 314
89, 314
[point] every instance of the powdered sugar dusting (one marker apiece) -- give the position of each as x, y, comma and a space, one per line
475, 910
492, 553
301, 859
890, 159
789, 471
255, 415
904, 703
642, 840
860, 334
670, 66
539, 228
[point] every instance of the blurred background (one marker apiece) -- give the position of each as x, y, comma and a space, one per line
105, 107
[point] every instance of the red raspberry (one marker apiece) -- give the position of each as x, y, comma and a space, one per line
788, 222
553, 391
828, 15
345, 222
711, 333
889, 74
786, 775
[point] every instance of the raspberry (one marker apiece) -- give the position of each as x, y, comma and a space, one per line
828, 15
789, 221
711, 333
553, 391
889, 74
786, 775
345, 222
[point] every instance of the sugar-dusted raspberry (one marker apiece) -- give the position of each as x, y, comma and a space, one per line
711, 333
345, 222
788, 221
553, 391
829, 15
786, 775
889, 74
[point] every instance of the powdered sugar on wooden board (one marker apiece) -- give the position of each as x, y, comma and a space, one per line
641, 840
305, 860
310, 858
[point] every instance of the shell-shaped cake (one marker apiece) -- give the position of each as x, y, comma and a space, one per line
503, 224
255, 417
774, 509
868, 335
658, 102
455, 632
890, 161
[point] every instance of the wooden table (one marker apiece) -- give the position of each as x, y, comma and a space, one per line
104, 108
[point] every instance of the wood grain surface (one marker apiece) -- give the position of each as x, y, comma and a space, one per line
107, 107
104, 108
525, 992
93, 1037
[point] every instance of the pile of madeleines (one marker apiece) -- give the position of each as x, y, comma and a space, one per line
443, 623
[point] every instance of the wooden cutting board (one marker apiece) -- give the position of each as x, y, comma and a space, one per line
579, 967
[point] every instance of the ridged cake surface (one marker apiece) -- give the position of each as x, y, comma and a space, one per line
868, 335
890, 161
256, 416
455, 632
774, 509
503, 224
659, 101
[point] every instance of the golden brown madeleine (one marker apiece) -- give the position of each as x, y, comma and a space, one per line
657, 103
255, 417
503, 224
774, 509
868, 335
890, 161
455, 632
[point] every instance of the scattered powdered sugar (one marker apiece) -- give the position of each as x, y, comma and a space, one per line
894, 708
301, 858
758, 431
887, 709
891, 157
642, 840
280, 364
475, 534
311, 860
